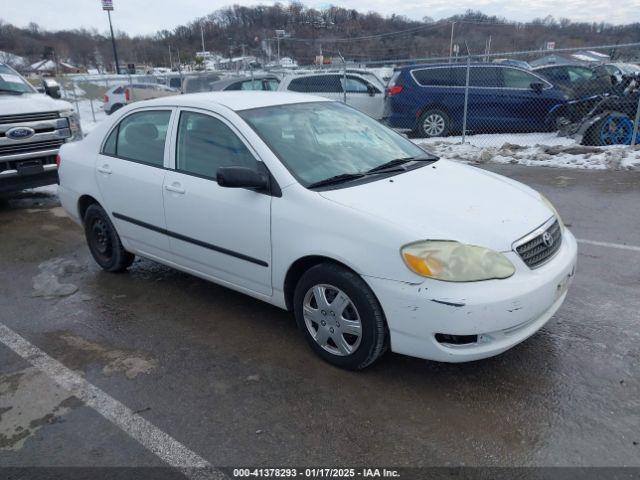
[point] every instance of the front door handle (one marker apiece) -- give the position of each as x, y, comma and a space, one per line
175, 188
105, 169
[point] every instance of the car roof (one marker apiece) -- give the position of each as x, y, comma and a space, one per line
219, 84
234, 100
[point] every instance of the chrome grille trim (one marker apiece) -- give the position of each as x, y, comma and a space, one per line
28, 117
532, 249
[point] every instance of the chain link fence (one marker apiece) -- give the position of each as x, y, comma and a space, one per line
498, 102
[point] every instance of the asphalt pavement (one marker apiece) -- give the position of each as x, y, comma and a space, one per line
154, 366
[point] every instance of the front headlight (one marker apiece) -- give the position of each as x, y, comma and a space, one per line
455, 262
74, 124
546, 201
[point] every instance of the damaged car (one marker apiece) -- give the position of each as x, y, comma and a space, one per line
312, 206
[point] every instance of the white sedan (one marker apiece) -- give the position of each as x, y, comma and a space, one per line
314, 207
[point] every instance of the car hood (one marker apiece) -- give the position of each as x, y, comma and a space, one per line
450, 201
31, 103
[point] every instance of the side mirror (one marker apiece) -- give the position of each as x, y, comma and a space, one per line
241, 177
371, 90
537, 87
51, 88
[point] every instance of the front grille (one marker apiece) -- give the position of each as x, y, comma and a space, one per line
28, 117
30, 147
536, 251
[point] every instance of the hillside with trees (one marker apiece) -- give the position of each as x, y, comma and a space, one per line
355, 35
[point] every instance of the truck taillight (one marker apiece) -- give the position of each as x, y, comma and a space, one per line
396, 89
105, 99
58, 160
127, 95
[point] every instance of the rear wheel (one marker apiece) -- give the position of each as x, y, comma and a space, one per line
433, 123
103, 241
116, 107
340, 316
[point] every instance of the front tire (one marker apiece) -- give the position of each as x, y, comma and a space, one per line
104, 242
340, 316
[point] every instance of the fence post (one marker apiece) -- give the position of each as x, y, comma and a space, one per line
466, 101
93, 113
75, 97
635, 124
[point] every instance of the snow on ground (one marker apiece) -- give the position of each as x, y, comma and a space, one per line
533, 149
86, 116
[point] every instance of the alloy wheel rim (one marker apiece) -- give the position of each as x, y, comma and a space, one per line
433, 125
332, 319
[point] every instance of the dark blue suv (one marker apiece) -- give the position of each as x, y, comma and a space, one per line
429, 99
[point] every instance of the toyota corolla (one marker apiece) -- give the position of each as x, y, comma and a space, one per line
310, 205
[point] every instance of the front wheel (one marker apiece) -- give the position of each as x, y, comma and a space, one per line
104, 242
340, 316
614, 129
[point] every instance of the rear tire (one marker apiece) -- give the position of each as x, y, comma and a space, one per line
116, 107
340, 316
104, 242
433, 123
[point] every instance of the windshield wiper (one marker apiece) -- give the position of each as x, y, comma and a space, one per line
343, 177
8, 90
390, 165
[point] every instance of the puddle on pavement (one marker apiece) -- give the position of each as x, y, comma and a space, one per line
30, 400
80, 351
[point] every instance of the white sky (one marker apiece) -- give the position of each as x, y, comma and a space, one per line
149, 16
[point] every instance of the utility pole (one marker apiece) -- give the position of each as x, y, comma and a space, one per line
107, 6
202, 37
451, 43
279, 35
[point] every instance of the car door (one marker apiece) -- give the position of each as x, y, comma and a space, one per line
222, 233
528, 105
364, 96
486, 103
130, 171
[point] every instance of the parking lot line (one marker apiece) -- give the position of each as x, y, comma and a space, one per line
620, 246
148, 435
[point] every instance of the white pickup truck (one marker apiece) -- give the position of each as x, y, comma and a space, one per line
33, 126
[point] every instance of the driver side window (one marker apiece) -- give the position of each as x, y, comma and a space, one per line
206, 144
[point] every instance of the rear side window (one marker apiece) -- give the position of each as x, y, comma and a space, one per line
434, 77
110, 144
140, 137
206, 144
318, 84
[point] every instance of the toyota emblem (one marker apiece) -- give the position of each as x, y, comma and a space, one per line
547, 239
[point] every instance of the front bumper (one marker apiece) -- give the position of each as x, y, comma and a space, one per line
502, 313
11, 181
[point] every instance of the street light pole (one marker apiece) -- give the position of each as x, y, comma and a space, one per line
107, 5
113, 44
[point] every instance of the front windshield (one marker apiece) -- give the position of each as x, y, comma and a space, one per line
320, 140
11, 82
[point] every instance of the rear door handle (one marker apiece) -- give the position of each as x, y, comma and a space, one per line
105, 169
175, 188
